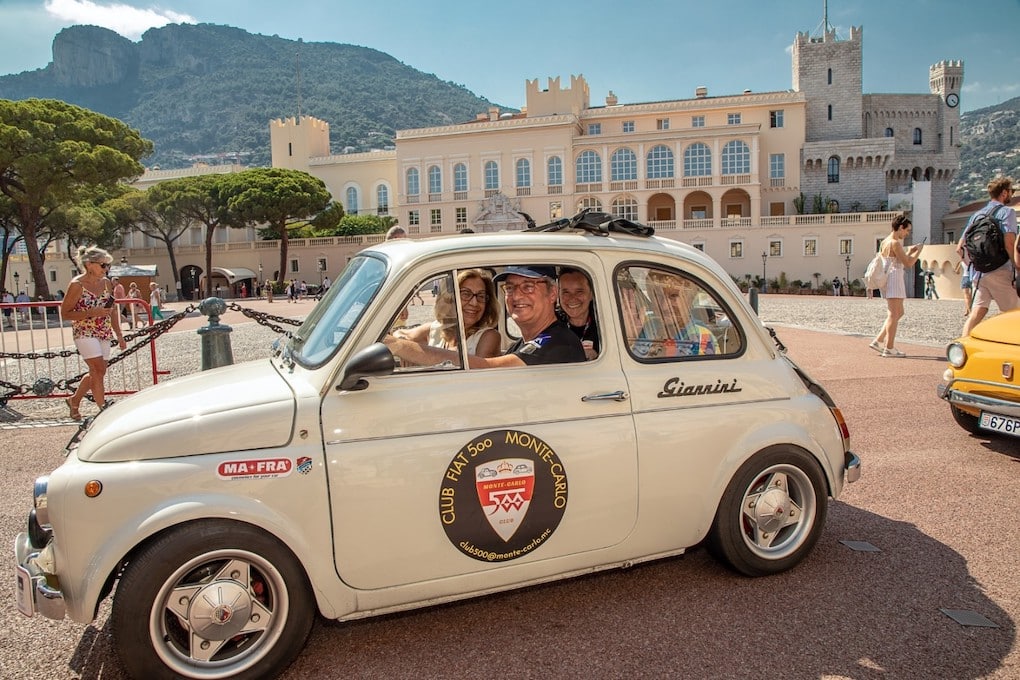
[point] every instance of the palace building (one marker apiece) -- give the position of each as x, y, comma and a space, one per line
805, 180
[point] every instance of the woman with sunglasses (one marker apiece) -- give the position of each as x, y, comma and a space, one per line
479, 312
95, 321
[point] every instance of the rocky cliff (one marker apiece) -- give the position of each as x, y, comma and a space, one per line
90, 56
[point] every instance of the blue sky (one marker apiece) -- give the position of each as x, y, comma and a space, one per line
642, 50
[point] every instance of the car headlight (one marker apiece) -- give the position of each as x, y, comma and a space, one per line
956, 354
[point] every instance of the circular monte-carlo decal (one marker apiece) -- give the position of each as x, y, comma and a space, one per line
503, 495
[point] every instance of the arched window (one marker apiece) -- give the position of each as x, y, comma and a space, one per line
589, 202
460, 177
555, 171
352, 201
523, 172
491, 175
736, 158
917, 135
889, 132
830, 111
625, 207
589, 168
382, 199
622, 165
413, 182
833, 170
659, 163
435, 180
697, 160
830, 76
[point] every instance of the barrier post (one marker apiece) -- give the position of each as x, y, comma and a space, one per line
752, 298
216, 350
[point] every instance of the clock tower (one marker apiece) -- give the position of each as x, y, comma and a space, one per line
945, 79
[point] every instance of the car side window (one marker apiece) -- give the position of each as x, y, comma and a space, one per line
429, 316
667, 315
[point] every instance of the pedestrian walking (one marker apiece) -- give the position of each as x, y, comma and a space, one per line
929, 285
155, 302
837, 286
897, 260
95, 320
996, 284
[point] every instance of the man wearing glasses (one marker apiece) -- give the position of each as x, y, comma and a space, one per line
531, 294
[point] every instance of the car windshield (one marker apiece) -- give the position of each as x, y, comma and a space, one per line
332, 319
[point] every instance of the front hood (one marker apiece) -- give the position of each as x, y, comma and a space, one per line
1003, 328
234, 408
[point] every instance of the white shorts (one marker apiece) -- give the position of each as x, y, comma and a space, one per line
90, 348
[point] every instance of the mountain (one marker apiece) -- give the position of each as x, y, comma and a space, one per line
204, 91
990, 139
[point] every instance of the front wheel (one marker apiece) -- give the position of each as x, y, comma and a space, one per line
211, 600
772, 512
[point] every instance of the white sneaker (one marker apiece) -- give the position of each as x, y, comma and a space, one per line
875, 346
893, 352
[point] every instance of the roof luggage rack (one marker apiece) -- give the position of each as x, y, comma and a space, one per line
594, 222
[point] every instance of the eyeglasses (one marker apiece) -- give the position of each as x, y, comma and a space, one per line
526, 288
467, 296
104, 265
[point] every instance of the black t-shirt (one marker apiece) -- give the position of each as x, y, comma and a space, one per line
556, 344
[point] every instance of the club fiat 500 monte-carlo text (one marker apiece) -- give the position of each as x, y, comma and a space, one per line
228, 506
981, 383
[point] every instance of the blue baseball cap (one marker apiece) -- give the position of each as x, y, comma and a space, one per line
528, 272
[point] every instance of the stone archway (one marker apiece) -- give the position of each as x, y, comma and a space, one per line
661, 208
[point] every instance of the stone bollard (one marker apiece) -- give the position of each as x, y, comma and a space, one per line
216, 350
752, 298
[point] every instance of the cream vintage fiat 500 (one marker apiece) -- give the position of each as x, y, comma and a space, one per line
225, 508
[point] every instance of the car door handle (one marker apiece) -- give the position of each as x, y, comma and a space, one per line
619, 395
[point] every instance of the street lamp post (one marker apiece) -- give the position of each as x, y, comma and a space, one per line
764, 283
848, 260
17, 287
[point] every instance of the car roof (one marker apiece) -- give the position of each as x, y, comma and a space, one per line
406, 251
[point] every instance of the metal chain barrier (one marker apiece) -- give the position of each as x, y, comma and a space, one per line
264, 318
44, 386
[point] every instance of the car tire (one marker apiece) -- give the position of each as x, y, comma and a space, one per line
772, 512
211, 600
965, 420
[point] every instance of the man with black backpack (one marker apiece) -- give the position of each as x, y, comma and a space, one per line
989, 240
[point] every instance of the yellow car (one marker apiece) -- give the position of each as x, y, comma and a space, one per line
981, 383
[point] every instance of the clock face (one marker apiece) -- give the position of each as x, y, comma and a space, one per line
952, 99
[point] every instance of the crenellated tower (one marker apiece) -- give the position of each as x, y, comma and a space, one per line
945, 79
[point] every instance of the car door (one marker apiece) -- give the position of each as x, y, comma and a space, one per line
441, 471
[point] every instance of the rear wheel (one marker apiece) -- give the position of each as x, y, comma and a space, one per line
965, 420
212, 600
772, 512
